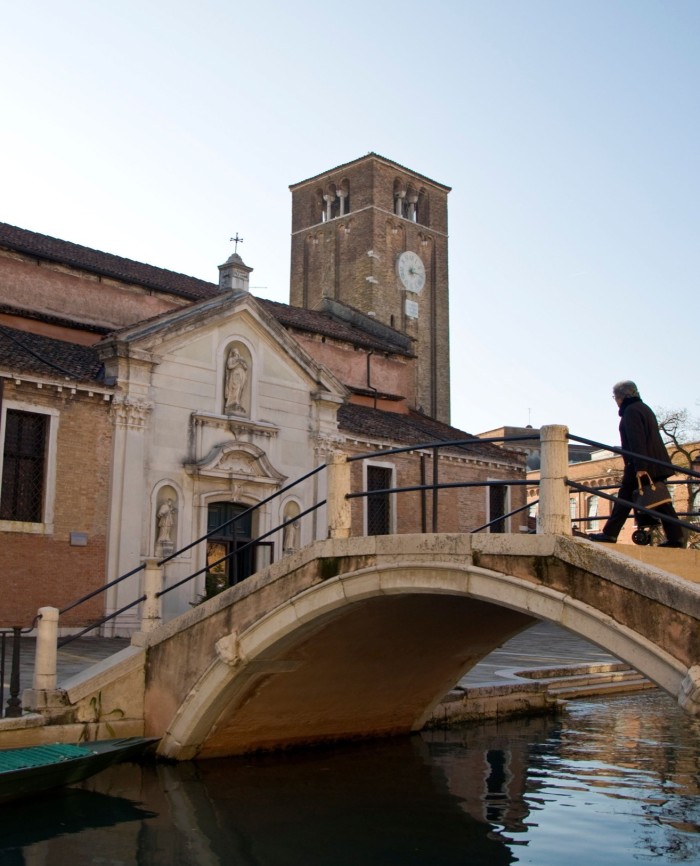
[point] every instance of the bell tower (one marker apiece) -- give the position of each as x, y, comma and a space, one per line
373, 235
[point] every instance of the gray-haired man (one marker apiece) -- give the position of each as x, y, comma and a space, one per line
639, 432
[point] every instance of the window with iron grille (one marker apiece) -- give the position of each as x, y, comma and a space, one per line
378, 504
498, 496
23, 466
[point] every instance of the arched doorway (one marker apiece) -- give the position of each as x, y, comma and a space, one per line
231, 528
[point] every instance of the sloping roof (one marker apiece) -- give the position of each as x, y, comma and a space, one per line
105, 264
23, 352
412, 429
370, 155
60, 321
170, 282
318, 322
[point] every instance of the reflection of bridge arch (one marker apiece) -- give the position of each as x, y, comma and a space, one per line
367, 635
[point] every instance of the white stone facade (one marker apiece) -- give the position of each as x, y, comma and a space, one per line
181, 444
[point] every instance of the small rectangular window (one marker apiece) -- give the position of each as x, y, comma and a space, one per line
23, 467
498, 496
378, 505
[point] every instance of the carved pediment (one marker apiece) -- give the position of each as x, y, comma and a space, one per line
237, 426
237, 460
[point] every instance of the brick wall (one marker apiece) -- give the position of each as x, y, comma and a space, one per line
45, 569
458, 510
353, 259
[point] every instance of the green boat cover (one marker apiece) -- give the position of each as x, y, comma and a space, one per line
38, 756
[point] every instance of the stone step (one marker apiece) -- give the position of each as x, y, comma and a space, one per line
573, 670
571, 692
581, 680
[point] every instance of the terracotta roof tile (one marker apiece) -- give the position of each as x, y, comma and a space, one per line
318, 322
106, 264
412, 428
23, 352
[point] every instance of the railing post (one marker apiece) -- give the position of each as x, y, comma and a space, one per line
553, 516
14, 704
151, 615
46, 650
339, 516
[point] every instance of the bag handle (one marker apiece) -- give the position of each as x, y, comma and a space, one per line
639, 480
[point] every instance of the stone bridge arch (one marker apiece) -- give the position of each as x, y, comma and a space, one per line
358, 637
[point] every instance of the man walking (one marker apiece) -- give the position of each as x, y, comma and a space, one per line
639, 432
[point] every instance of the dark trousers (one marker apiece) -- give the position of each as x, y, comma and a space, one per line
620, 513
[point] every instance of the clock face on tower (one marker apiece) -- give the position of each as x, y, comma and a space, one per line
411, 271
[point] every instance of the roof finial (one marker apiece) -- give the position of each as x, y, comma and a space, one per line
236, 241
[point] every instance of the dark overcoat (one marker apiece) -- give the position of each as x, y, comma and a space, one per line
639, 432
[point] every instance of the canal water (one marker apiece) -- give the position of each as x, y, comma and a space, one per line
610, 781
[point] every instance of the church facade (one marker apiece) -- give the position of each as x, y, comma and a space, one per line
142, 410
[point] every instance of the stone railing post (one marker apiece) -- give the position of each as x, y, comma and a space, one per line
553, 516
45, 660
338, 504
151, 613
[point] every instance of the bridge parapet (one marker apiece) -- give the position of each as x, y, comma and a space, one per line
364, 636
432, 605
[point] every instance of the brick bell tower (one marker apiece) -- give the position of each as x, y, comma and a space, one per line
373, 235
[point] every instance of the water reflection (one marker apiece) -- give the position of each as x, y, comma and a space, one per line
614, 781
60, 814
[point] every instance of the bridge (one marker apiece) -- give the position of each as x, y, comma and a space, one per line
362, 636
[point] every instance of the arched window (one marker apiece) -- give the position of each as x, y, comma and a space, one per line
335, 201
592, 509
410, 203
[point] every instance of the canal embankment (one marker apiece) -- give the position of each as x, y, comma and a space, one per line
537, 671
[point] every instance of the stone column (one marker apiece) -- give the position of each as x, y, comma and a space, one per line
46, 649
412, 199
553, 516
339, 521
44, 697
329, 205
130, 418
342, 195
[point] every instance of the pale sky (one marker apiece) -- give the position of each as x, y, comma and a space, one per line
568, 132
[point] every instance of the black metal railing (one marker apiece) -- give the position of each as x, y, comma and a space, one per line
248, 512
432, 448
14, 703
599, 491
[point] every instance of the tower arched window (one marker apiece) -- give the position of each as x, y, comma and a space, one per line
411, 204
335, 201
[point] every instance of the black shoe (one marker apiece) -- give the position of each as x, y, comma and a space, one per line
601, 536
672, 544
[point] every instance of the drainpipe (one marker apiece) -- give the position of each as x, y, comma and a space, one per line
423, 512
371, 387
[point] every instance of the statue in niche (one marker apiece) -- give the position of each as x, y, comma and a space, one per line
290, 534
166, 522
235, 382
